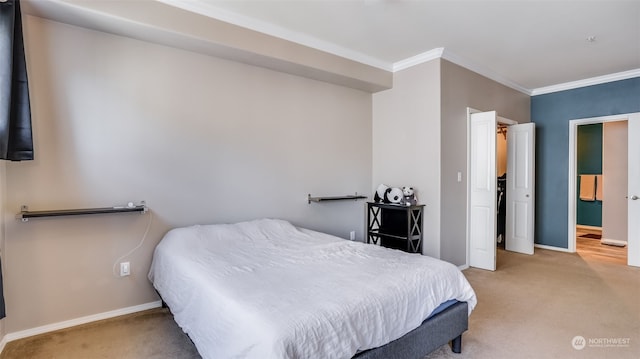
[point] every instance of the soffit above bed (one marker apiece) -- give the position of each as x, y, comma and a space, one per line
531, 46
555, 47
163, 24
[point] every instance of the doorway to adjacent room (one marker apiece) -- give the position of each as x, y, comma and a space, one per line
616, 238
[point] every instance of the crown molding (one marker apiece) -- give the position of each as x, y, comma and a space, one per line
587, 82
443, 53
209, 9
418, 59
470, 65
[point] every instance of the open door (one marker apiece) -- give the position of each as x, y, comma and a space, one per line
520, 188
633, 186
482, 190
633, 193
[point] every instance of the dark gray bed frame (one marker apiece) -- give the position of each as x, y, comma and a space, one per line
444, 327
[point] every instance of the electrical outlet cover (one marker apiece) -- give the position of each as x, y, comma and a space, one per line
125, 269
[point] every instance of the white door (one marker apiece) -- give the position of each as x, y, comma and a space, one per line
633, 193
520, 188
482, 190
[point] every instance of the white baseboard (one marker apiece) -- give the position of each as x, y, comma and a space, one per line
463, 267
552, 248
78, 321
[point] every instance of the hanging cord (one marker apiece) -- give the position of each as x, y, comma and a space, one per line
144, 236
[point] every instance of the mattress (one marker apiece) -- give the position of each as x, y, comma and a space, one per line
267, 289
442, 307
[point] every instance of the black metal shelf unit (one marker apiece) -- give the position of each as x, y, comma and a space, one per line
395, 226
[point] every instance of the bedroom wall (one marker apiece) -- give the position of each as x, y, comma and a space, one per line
406, 142
462, 88
552, 113
420, 139
202, 140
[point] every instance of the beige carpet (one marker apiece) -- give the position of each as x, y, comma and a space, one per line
531, 307
149, 334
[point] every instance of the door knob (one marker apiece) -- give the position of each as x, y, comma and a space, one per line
634, 197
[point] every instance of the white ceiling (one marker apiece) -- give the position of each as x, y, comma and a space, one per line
530, 45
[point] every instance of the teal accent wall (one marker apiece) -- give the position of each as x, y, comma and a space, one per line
588, 161
551, 114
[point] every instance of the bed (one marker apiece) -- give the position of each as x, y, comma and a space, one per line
268, 289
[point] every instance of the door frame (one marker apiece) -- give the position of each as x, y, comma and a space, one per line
573, 162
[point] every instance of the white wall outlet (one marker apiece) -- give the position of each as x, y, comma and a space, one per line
125, 269
352, 235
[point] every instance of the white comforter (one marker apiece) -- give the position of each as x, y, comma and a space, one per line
266, 289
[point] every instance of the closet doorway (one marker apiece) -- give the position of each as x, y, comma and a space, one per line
482, 187
619, 197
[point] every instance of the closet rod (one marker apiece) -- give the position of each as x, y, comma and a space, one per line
25, 214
